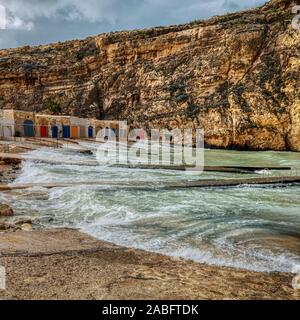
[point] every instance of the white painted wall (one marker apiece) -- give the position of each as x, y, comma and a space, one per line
7, 129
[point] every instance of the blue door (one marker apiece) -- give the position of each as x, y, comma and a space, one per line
54, 132
91, 132
28, 128
66, 132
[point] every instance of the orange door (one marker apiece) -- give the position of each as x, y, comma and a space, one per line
74, 132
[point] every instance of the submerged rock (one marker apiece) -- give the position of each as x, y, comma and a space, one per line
26, 227
20, 220
2, 226
17, 223
35, 196
6, 210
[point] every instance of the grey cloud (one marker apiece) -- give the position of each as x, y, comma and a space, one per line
40, 22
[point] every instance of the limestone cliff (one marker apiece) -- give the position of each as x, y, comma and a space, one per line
237, 76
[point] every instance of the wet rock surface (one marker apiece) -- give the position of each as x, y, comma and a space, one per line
17, 223
9, 168
6, 210
66, 264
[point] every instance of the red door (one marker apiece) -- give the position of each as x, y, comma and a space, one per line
43, 131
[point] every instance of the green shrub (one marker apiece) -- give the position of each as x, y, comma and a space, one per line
192, 110
173, 88
54, 107
86, 52
181, 97
80, 55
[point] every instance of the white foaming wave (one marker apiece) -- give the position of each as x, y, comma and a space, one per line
4, 197
54, 154
254, 255
117, 216
72, 206
106, 220
267, 263
105, 211
31, 173
264, 172
86, 202
35, 172
74, 213
296, 269
261, 260
124, 237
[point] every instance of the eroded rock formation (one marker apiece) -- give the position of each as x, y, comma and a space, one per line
237, 76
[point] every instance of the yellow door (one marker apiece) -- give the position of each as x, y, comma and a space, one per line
74, 132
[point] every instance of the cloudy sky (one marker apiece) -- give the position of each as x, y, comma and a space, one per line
30, 22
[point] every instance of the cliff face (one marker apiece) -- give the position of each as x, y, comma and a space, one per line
236, 76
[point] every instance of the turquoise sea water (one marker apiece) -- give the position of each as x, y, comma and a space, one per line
256, 228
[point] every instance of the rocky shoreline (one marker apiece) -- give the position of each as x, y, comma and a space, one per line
67, 264
8, 170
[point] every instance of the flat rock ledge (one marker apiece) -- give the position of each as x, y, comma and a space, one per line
67, 264
16, 223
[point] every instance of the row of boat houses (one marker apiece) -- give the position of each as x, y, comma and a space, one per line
16, 123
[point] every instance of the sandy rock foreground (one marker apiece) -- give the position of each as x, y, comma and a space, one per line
66, 264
